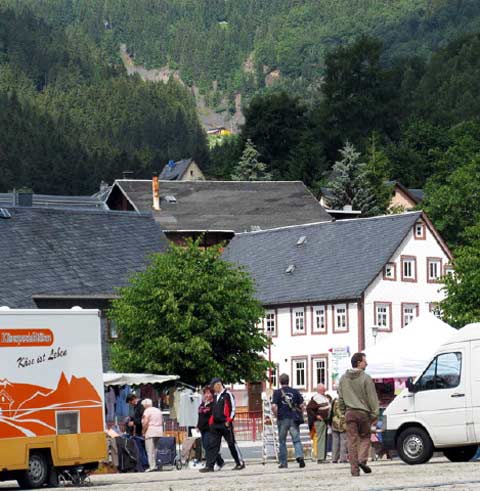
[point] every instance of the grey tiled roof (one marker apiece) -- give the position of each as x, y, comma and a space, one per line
227, 205
175, 172
54, 201
418, 194
337, 262
71, 252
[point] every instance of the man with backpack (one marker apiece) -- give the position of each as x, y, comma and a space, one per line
287, 405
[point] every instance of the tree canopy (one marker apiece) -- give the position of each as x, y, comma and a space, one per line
192, 314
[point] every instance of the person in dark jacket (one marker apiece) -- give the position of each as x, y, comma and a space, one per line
136, 422
203, 425
221, 425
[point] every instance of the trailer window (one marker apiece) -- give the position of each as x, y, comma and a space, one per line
443, 373
67, 422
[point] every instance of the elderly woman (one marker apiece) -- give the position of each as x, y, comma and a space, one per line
152, 429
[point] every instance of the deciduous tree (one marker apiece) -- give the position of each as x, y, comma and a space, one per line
192, 314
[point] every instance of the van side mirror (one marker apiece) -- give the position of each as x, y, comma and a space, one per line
411, 386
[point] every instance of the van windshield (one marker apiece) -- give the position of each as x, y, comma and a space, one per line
444, 372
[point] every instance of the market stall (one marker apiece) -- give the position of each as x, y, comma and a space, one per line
405, 354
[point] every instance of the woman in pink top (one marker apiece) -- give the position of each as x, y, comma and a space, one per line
152, 425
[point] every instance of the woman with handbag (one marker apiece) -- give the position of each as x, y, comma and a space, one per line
287, 405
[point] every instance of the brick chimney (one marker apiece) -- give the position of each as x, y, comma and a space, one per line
156, 193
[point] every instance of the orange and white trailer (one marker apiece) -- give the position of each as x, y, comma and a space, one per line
51, 395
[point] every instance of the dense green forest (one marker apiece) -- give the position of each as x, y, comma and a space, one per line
236, 42
70, 117
398, 80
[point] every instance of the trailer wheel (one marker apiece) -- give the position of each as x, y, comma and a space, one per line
37, 474
460, 454
414, 446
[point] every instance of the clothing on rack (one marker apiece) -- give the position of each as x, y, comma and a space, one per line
188, 410
122, 408
110, 400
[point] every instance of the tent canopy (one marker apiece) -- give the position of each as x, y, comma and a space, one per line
405, 353
111, 378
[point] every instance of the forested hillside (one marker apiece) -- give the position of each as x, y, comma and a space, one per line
70, 117
405, 95
241, 44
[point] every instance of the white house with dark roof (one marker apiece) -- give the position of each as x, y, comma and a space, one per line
331, 289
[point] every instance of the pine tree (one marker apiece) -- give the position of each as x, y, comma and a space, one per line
346, 171
361, 185
249, 168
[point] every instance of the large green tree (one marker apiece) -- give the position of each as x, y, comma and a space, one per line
462, 304
192, 314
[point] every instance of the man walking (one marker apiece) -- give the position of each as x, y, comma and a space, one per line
287, 405
221, 425
358, 400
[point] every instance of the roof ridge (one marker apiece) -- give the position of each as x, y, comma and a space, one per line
77, 210
213, 181
337, 222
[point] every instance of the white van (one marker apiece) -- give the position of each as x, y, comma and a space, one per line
441, 409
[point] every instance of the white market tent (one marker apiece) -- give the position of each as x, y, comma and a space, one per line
111, 378
406, 353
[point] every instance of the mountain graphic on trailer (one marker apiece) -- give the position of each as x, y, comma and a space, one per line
30, 410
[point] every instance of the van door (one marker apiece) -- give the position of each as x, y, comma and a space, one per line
440, 400
475, 379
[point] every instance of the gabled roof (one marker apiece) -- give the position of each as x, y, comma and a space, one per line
66, 253
174, 171
54, 201
337, 260
237, 206
416, 195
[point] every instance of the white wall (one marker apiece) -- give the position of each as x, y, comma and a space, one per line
420, 292
286, 347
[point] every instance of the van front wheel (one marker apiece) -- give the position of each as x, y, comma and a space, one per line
460, 454
414, 446
37, 474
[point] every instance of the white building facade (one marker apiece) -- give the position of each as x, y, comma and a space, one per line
310, 340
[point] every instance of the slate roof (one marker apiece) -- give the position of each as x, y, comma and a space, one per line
54, 201
337, 261
71, 252
226, 205
176, 171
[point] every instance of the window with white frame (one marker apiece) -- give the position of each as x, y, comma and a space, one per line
448, 270
382, 315
409, 269
319, 371
409, 312
420, 230
320, 319
274, 377
389, 271
299, 321
340, 317
270, 323
300, 373
434, 268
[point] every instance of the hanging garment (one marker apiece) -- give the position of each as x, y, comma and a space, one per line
189, 404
